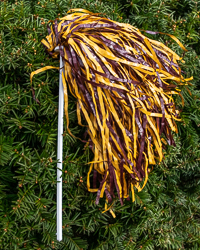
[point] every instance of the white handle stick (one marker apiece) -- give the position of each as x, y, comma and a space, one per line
60, 152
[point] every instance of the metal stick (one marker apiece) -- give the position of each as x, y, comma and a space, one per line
60, 152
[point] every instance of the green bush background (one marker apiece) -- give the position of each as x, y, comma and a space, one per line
165, 214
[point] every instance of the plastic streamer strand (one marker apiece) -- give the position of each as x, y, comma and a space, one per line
123, 83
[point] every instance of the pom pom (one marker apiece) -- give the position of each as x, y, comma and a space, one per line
123, 83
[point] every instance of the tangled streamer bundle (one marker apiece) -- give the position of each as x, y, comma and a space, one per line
122, 81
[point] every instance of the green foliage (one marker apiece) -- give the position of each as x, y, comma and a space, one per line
165, 214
